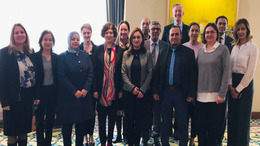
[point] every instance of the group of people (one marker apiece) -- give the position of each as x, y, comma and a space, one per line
136, 79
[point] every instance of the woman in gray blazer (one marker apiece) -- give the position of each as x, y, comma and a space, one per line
136, 73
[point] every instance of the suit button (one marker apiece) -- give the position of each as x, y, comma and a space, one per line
79, 61
80, 70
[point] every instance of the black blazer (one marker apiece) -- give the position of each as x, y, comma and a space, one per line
185, 33
228, 41
188, 72
98, 65
37, 57
9, 78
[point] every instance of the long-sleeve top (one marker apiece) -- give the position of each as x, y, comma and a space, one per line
146, 71
75, 72
213, 73
243, 61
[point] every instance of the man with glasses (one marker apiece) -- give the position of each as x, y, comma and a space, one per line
156, 47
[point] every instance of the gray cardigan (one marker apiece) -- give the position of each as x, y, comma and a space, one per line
214, 70
146, 71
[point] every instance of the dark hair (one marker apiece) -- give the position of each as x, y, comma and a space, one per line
248, 32
193, 23
41, 38
175, 27
204, 32
124, 22
221, 17
129, 51
108, 26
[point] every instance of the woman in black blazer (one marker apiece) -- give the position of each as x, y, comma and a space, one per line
89, 47
136, 74
107, 62
46, 87
17, 81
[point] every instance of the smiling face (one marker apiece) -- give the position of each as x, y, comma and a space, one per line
86, 33
177, 13
242, 32
210, 35
175, 37
194, 32
74, 42
137, 40
123, 31
19, 35
109, 36
47, 42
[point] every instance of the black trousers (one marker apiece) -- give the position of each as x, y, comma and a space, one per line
103, 113
135, 109
208, 123
46, 108
67, 131
239, 114
193, 114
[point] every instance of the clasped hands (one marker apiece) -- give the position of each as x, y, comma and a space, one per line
81, 94
138, 92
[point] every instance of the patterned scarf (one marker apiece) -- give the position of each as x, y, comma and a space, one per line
108, 90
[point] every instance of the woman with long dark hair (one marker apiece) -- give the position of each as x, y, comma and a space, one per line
137, 74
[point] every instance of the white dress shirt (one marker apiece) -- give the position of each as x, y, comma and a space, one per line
243, 61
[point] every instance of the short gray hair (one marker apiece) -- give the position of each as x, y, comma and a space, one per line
154, 23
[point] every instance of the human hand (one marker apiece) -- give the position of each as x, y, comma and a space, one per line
78, 94
7, 108
156, 97
84, 93
95, 95
220, 100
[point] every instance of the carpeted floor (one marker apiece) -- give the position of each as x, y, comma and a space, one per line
57, 137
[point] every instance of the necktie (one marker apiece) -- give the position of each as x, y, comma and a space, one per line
154, 54
220, 40
172, 67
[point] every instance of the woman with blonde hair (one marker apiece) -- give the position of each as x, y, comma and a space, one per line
17, 87
243, 58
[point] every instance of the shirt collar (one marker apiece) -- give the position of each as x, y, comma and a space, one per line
213, 48
151, 42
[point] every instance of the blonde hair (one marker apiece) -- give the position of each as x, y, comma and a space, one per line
87, 25
12, 45
248, 32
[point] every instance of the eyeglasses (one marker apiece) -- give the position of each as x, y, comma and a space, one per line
155, 29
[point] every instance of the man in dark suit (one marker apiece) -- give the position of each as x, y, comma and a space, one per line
156, 47
224, 39
177, 13
175, 85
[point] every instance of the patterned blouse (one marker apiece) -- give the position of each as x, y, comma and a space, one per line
26, 70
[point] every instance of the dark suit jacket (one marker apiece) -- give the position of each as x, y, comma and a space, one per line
185, 33
98, 64
37, 57
9, 78
228, 41
162, 45
188, 64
